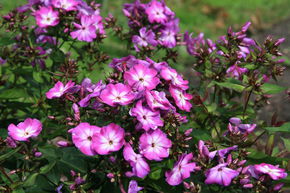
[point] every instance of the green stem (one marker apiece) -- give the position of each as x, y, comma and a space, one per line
247, 102
6, 175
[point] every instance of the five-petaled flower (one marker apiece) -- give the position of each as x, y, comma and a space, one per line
24, 130
46, 17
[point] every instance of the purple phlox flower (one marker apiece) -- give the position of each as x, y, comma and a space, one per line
145, 38
181, 170
135, 12
84, 9
141, 77
133, 187
158, 12
110, 139
82, 137
174, 77
122, 64
156, 65
274, 172
147, 119
140, 168
251, 171
46, 17
59, 89
117, 94
155, 145
68, 5
98, 22
204, 152
95, 90
194, 45
235, 71
169, 33
25, 130
157, 100
223, 152
86, 31
221, 175
181, 98
238, 127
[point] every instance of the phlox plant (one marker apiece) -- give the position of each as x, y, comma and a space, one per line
76, 119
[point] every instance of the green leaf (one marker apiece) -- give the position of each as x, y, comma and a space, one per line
5, 41
9, 154
286, 143
236, 87
155, 175
268, 88
284, 128
45, 169
13, 93
30, 181
19, 190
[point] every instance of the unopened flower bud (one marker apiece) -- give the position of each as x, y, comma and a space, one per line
248, 186
37, 154
110, 175
188, 132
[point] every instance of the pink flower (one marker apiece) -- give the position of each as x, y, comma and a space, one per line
46, 16
157, 12
24, 130
168, 34
236, 71
142, 77
98, 23
181, 170
155, 145
110, 139
181, 98
140, 168
133, 187
86, 30
117, 94
157, 100
82, 137
274, 172
221, 175
68, 5
204, 152
147, 118
59, 89
176, 79
144, 39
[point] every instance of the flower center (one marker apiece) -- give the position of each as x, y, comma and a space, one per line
89, 138
153, 144
110, 142
26, 133
141, 79
220, 169
144, 117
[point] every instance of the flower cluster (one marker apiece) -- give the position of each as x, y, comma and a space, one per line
152, 24
242, 48
138, 123
154, 91
87, 20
